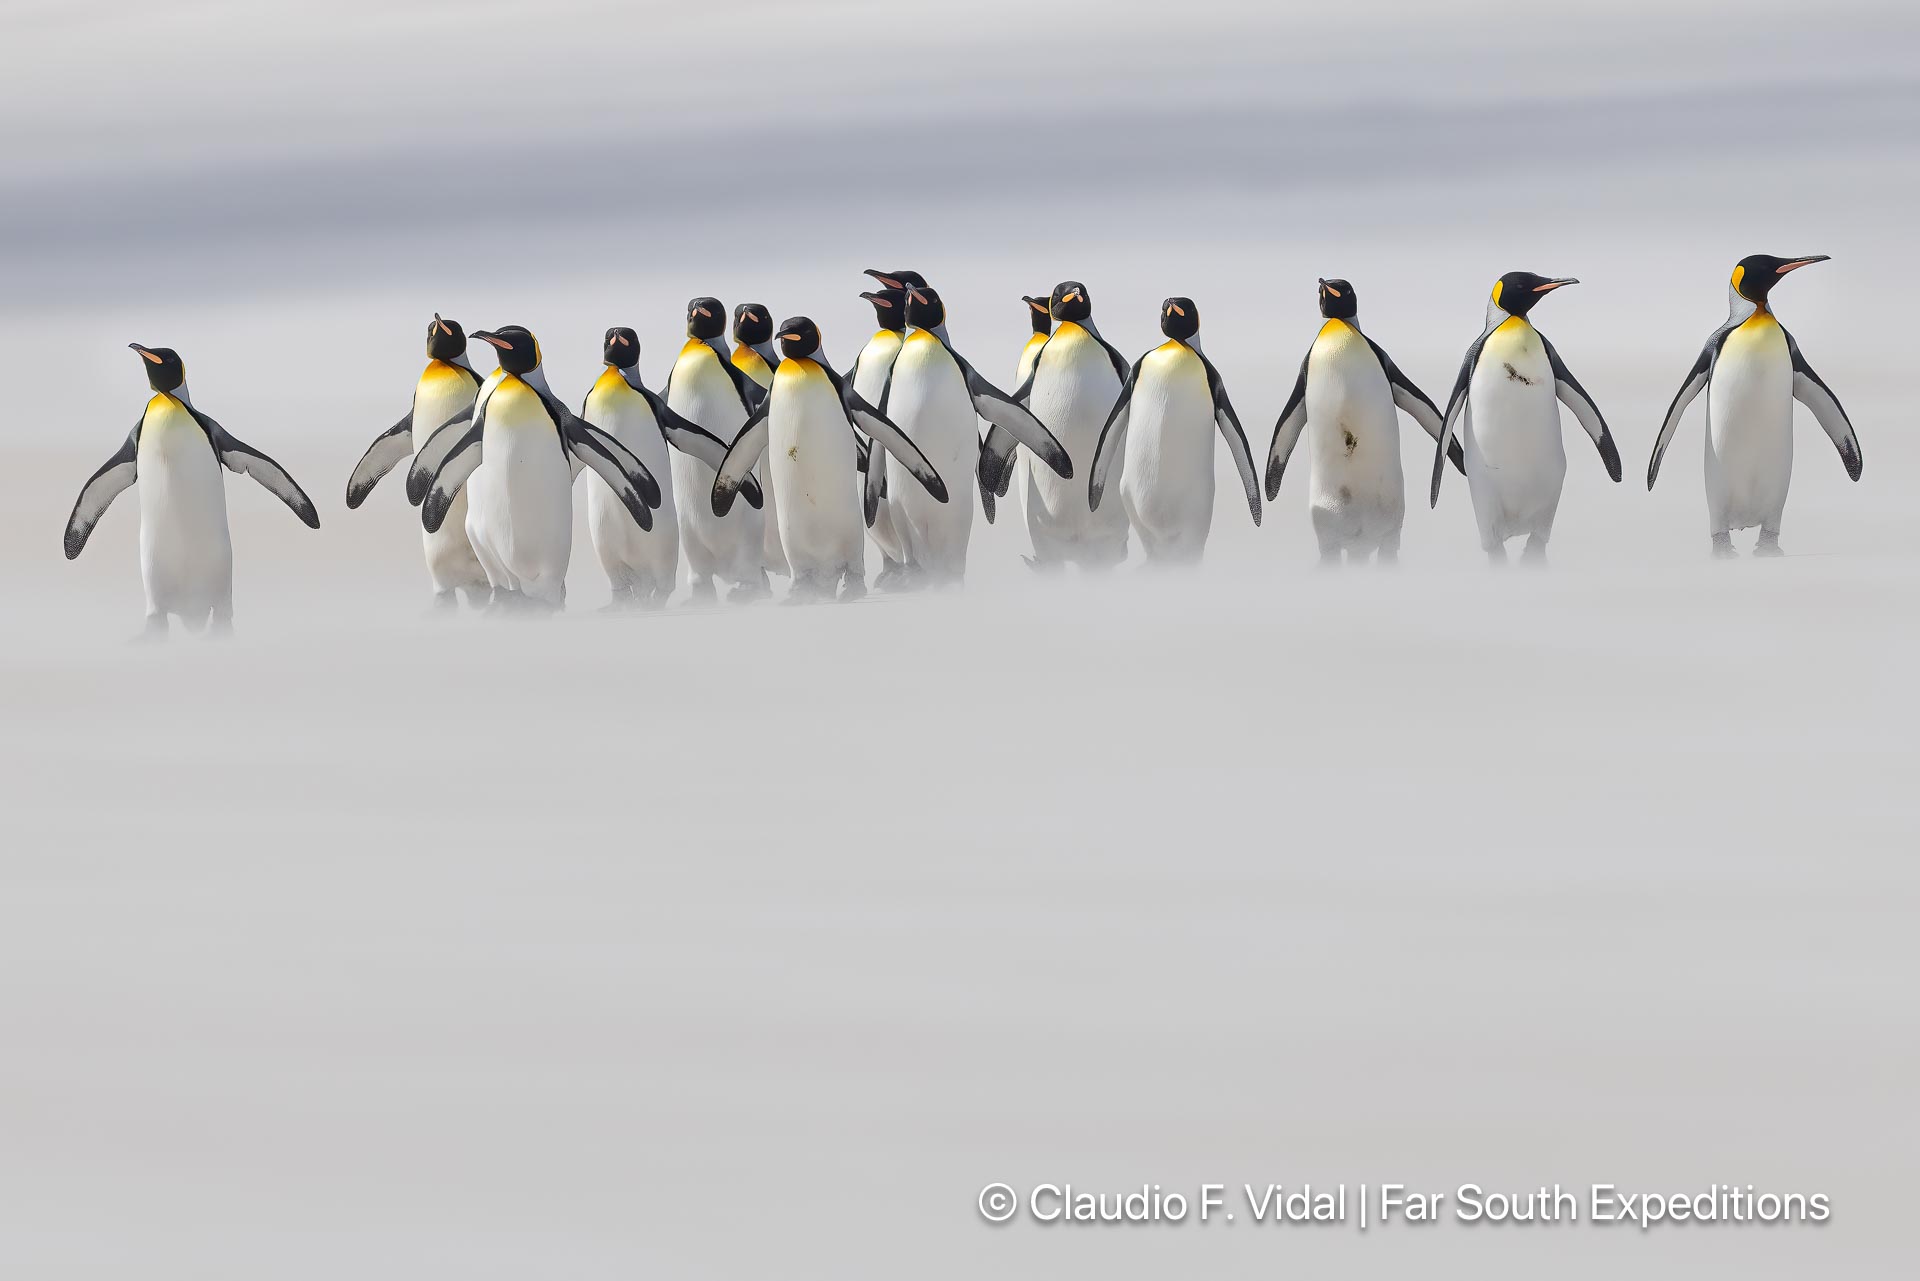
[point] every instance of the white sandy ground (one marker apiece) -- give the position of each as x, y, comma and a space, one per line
752, 943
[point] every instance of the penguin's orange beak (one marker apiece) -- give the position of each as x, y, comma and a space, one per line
145, 354
493, 339
1797, 263
1554, 284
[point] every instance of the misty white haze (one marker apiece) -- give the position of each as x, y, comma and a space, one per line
745, 942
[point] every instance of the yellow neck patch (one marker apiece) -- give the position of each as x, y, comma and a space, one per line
1496, 291
1739, 274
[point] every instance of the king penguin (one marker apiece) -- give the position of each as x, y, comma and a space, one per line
1042, 317
1075, 381
1160, 434
869, 373
176, 452
1344, 400
1503, 408
515, 457
1752, 372
806, 427
447, 387
707, 388
754, 355
936, 396
641, 564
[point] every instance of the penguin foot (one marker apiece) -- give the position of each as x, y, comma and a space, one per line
154, 632
745, 593
700, 591
446, 602
1497, 557
1723, 547
504, 601
852, 587
890, 575
1535, 555
1769, 545
477, 597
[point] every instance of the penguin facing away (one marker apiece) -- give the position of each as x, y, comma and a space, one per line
642, 565
1503, 407
1752, 371
447, 387
806, 428
706, 387
754, 356
869, 374
1159, 435
1076, 378
176, 452
515, 457
935, 396
1344, 402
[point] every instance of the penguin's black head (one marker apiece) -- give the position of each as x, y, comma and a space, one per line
799, 338
1179, 318
889, 307
706, 318
1755, 275
1070, 301
924, 308
1337, 301
519, 351
164, 370
897, 279
445, 339
1038, 312
752, 323
1516, 292
623, 348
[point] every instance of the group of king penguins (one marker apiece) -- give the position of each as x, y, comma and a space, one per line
825, 459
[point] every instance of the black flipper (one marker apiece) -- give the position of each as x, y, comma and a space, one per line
389, 449
1012, 417
1810, 390
1112, 446
693, 440
1228, 423
433, 455
613, 462
881, 430
1414, 403
1455, 403
1286, 431
105, 485
737, 467
245, 460
459, 459
1575, 397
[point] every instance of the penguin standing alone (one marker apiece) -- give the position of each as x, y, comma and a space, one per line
805, 426
515, 457
1752, 372
754, 356
176, 452
1344, 400
707, 388
446, 388
937, 398
1503, 407
1076, 378
1160, 432
641, 564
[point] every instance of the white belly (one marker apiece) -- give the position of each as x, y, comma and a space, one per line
1516, 460
1750, 428
1352, 435
731, 546
1074, 388
442, 392
520, 499
186, 556
870, 370
811, 461
929, 402
1167, 481
627, 552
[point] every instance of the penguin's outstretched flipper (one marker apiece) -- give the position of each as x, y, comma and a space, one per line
105, 485
459, 458
244, 460
1112, 447
737, 467
1286, 431
594, 448
1456, 404
1810, 390
1696, 382
693, 440
1414, 404
388, 450
1575, 397
1228, 423
873, 489
1014, 419
884, 435
447, 437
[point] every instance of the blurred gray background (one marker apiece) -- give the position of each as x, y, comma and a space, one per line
749, 943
